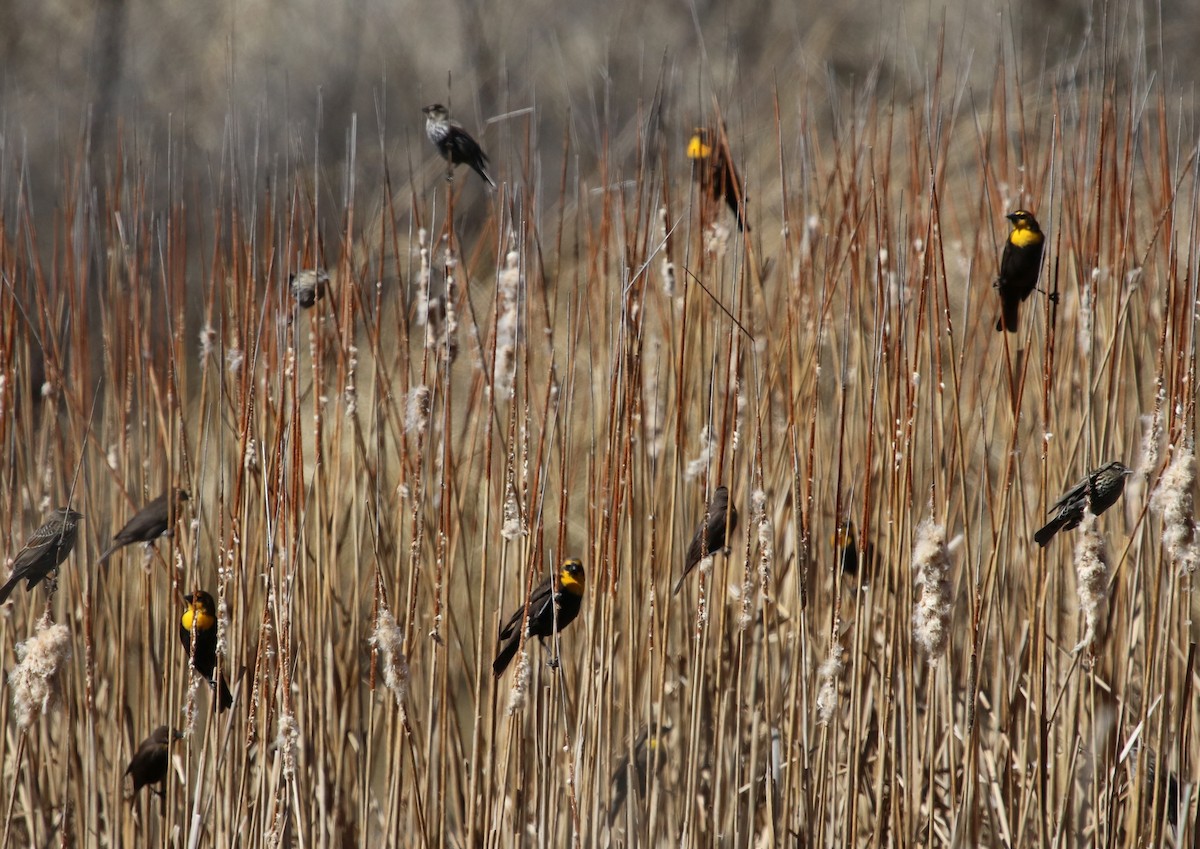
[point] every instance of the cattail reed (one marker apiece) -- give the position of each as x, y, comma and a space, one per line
388, 641
508, 294
699, 464
828, 677
1091, 574
931, 566
36, 680
416, 410
520, 685
766, 538
1172, 500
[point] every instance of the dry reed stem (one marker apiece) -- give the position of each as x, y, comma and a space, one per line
367, 505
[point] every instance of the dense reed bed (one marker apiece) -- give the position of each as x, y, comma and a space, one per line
569, 367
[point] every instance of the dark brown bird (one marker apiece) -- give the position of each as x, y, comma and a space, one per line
200, 621
713, 168
44, 552
454, 143
148, 524
309, 286
846, 540
1167, 791
150, 762
552, 606
1020, 265
1098, 491
710, 534
646, 755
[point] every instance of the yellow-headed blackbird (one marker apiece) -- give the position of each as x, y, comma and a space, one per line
200, 620
44, 552
846, 540
1020, 265
149, 763
713, 168
454, 143
309, 286
148, 524
710, 534
645, 756
1098, 491
552, 606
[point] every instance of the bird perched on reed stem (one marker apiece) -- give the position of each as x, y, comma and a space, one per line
647, 755
150, 762
43, 552
552, 606
198, 633
309, 286
719, 522
845, 540
713, 168
454, 143
148, 524
1098, 491
1020, 265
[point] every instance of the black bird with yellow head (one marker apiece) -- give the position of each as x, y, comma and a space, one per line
198, 634
713, 168
551, 607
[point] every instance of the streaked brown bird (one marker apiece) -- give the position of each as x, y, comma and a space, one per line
1098, 491
454, 143
150, 762
148, 524
198, 633
552, 606
646, 755
309, 286
713, 168
44, 552
719, 522
1020, 265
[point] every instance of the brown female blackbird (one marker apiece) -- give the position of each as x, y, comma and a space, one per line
710, 534
309, 286
1098, 491
454, 143
149, 763
44, 552
148, 524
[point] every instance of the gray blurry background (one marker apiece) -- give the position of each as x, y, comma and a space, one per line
286, 75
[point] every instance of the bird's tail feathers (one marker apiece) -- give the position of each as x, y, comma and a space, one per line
505, 657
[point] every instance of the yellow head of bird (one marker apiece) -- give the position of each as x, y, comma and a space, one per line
200, 613
571, 577
698, 147
1025, 230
